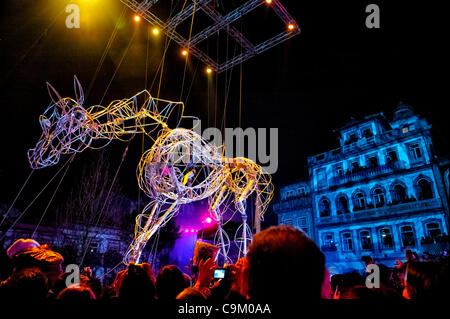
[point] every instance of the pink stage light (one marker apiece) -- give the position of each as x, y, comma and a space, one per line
208, 220
187, 230
192, 230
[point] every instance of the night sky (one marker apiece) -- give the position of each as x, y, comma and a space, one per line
313, 83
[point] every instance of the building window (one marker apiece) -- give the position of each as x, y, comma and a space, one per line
355, 166
288, 222
342, 205
366, 240
391, 157
359, 202
415, 152
433, 230
301, 191
328, 243
424, 189
372, 161
367, 132
351, 138
408, 236
386, 238
339, 170
322, 177
302, 224
324, 207
405, 129
328, 239
347, 241
94, 247
378, 197
399, 193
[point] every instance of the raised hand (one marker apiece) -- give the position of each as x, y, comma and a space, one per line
205, 273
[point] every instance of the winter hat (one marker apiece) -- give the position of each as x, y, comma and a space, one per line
21, 245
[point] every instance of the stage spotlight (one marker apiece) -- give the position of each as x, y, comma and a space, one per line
137, 18
208, 220
290, 26
208, 70
187, 230
192, 230
268, 1
155, 31
184, 52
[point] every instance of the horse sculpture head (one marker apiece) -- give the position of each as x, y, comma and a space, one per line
65, 128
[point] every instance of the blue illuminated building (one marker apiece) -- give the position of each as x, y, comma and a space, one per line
382, 191
295, 207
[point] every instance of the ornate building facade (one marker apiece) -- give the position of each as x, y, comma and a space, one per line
381, 192
295, 207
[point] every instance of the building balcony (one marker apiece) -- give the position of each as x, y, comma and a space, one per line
367, 172
292, 204
435, 250
328, 248
382, 212
369, 141
359, 145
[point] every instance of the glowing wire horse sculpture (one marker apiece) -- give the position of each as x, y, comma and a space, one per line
180, 168
68, 127
243, 178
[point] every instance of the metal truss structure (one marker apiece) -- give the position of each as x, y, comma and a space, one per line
221, 22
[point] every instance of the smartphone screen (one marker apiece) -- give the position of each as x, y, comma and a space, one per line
219, 273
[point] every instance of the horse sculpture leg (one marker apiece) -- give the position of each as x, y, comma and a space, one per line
241, 207
244, 234
218, 220
138, 244
222, 244
144, 235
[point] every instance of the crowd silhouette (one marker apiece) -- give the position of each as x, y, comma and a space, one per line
282, 264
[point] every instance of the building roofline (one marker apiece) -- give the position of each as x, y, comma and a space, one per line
364, 119
295, 181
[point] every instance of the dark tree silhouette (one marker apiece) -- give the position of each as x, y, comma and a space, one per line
94, 202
